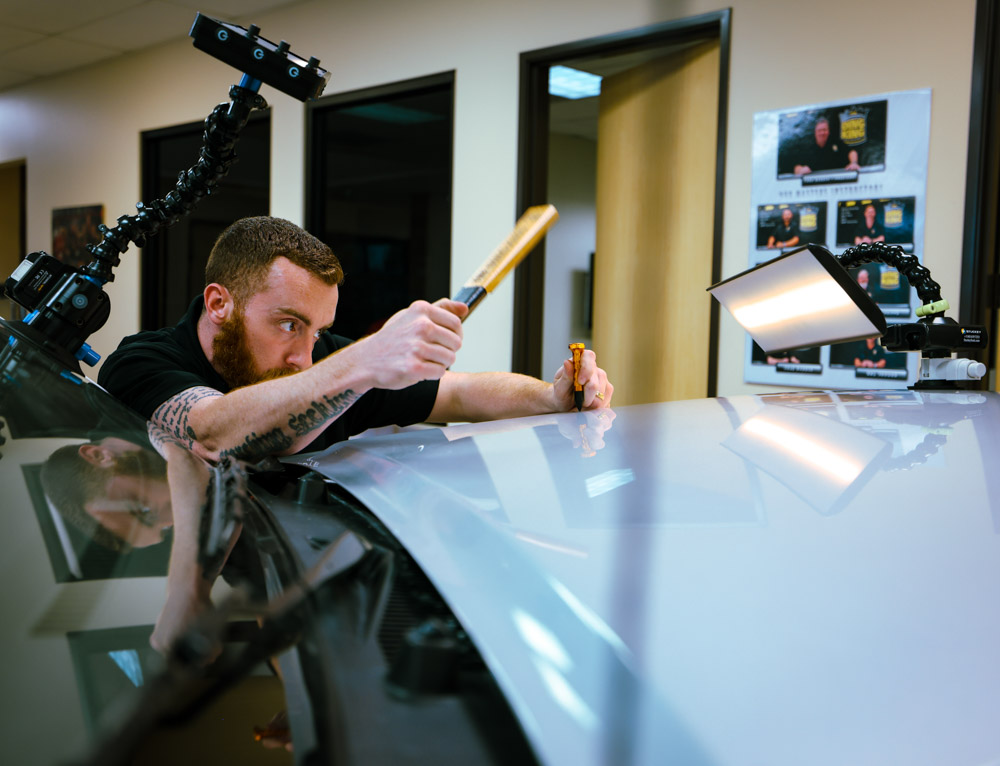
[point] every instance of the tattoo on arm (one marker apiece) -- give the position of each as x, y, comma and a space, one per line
173, 415
321, 412
255, 446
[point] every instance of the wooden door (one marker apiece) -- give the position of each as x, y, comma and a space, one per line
656, 156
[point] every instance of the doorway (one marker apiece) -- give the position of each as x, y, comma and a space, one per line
173, 261
13, 220
379, 183
636, 168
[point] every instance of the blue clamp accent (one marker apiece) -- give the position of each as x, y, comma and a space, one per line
31, 317
95, 280
70, 376
87, 355
250, 83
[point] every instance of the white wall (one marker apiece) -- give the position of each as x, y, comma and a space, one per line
80, 132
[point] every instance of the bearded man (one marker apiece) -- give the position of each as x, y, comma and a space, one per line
252, 369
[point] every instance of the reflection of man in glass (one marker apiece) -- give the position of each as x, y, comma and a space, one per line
871, 354
122, 496
869, 230
112, 490
785, 233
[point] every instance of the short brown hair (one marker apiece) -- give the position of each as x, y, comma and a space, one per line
69, 483
243, 253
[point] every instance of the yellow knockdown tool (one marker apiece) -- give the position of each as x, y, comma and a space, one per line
528, 232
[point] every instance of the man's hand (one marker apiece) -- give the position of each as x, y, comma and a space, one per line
587, 431
597, 389
417, 343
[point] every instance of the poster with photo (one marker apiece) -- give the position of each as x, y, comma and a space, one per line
837, 175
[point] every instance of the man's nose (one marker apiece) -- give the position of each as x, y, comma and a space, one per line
300, 356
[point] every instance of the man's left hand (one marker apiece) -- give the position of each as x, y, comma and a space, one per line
597, 389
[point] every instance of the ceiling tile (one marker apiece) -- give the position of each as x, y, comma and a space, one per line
11, 37
10, 78
227, 10
53, 54
54, 16
151, 23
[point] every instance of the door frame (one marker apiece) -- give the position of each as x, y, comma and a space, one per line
532, 164
979, 299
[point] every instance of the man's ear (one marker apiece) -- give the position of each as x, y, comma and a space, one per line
219, 303
97, 455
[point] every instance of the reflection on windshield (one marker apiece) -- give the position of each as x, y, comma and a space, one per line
115, 509
110, 489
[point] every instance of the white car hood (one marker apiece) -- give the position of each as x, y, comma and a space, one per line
782, 579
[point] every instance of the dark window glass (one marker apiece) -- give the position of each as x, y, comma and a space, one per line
380, 195
173, 261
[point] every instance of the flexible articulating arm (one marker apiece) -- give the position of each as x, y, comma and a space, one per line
222, 130
67, 305
934, 335
918, 276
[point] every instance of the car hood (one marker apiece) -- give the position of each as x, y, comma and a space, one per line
754, 579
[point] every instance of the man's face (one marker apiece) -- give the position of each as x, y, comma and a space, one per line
135, 504
863, 279
869, 216
275, 332
786, 216
822, 132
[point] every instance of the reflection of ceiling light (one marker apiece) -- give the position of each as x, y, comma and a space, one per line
607, 481
390, 113
800, 299
572, 83
542, 640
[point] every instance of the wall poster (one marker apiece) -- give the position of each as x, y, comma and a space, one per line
839, 174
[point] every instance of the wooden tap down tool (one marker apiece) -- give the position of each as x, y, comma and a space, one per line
528, 232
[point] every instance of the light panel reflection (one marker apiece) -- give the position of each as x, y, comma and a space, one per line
823, 461
842, 467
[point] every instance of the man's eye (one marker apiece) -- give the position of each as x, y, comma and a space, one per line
288, 325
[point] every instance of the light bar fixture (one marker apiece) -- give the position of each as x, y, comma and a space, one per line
800, 299
573, 83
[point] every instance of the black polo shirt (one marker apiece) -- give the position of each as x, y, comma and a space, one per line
150, 367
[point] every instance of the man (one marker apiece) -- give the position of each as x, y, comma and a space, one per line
864, 282
869, 230
870, 354
111, 489
252, 371
786, 233
822, 153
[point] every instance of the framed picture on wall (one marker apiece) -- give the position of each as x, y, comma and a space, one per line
73, 228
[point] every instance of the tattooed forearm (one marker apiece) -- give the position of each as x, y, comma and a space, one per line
321, 412
255, 446
173, 414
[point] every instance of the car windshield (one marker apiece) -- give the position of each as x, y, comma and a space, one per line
126, 645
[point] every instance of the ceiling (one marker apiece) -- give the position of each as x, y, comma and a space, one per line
41, 38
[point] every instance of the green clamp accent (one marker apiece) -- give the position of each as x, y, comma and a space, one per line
933, 308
